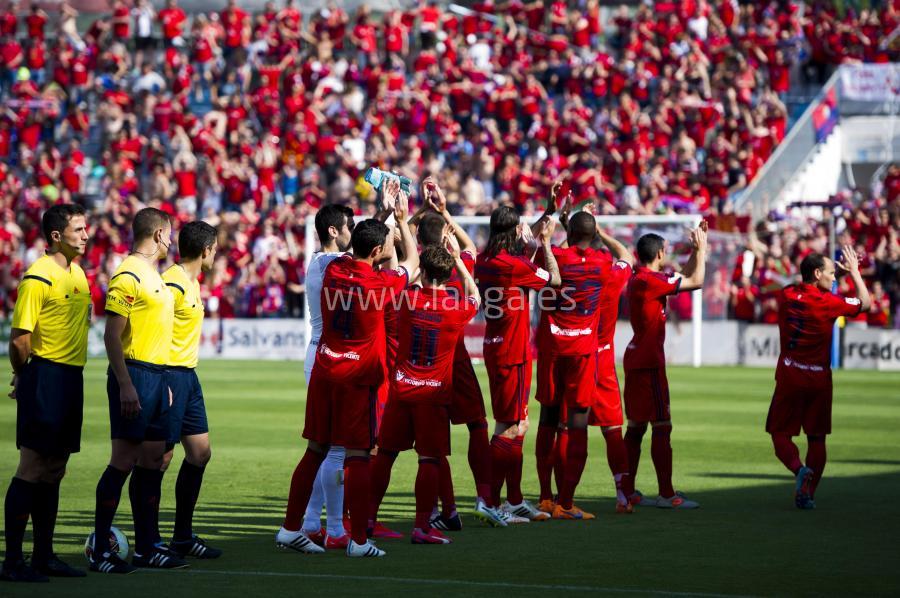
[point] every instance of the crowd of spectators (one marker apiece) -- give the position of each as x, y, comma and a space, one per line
253, 121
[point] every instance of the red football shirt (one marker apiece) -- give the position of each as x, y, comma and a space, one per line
806, 316
504, 281
354, 299
609, 302
569, 319
647, 294
430, 323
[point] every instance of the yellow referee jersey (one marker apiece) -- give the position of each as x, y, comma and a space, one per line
188, 317
137, 292
55, 306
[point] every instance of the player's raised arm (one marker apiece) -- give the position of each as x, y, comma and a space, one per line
408, 241
695, 269
545, 232
850, 263
549, 210
616, 247
437, 201
469, 286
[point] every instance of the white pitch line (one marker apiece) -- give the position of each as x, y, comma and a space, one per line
460, 582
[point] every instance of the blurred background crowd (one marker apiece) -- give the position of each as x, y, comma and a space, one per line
254, 121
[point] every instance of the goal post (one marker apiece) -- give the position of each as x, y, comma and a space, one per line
627, 229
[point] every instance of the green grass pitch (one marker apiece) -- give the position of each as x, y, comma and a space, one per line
747, 539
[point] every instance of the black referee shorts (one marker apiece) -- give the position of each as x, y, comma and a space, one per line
50, 401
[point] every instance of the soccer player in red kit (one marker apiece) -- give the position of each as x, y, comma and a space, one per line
802, 397
467, 403
505, 275
431, 320
567, 348
646, 386
350, 365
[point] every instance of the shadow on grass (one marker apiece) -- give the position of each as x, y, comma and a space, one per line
742, 541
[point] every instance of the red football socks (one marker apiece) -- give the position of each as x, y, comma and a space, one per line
381, 477
543, 452
574, 466
560, 451
445, 489
357, 483
427, 482
301, 488
617, 457
787, 452
480, 459
633, 438
501, 458
514, 473
816, 457
661, 453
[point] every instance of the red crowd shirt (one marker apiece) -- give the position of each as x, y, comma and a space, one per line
568, 325
354, 300
430, 324
806, 316
647, 295
504, 281
172, 20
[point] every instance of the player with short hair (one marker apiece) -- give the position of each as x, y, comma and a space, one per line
334, 225
431, 319
47, 350
467, 402
140, 314
606, 410
187, 414
350, 366
567, 349
646, 385
803, 388
505, 275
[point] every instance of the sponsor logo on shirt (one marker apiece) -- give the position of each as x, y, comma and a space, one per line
407, 379
353, 355
556, 330
494, 340
802, 366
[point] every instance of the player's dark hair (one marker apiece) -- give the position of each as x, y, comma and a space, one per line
809, 265
431, 229
582, 227
332, 215
194, 238
148, 221
437, 264
57, 217
648, 246
504, 233
367, 235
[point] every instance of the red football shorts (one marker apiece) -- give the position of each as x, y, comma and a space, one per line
547, 393
466, 400
801, 400
570, 381
340, 414
647, 395
414, 423
510, 386
606, 409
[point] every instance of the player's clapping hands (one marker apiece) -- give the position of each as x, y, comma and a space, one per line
434, 195
452, 245
401, 202
849, 259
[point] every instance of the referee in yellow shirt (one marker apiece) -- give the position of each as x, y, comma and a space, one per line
187, 414
139, 319
47, 350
